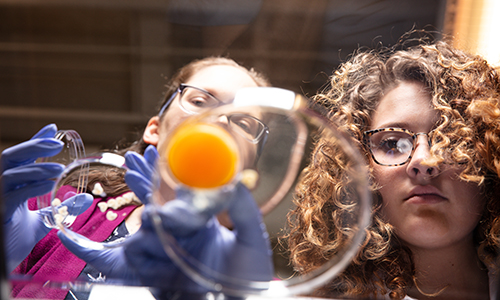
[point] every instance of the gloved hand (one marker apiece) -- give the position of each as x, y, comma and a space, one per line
243, 253
22, 179
139, 177
26, 227
111, 262
191, 220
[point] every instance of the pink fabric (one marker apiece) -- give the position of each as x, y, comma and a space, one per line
50, 262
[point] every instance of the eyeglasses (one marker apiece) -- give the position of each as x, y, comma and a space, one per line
193, 100
251, 128
392, 146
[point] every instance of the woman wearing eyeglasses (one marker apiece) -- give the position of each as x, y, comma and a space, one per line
211, 83
200, 85
427, 119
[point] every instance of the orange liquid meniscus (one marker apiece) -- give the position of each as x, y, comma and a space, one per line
202, 155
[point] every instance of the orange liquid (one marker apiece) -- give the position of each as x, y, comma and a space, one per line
202, 156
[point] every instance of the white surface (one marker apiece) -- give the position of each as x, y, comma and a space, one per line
106, 292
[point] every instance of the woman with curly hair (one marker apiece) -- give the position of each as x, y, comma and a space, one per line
427, 120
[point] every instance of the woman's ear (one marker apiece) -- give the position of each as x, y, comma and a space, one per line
151, 134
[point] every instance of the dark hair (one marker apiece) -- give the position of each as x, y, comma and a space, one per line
466, 92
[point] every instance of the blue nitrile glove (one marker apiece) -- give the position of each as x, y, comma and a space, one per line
243, 253
111, 262
22, 179
26, 227
139, 177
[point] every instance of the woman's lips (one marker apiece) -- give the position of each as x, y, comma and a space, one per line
425, 199
425, 195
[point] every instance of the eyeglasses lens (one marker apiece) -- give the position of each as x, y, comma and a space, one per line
247, 126
391, 147
195, 100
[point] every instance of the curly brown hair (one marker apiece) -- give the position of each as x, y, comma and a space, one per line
465, 90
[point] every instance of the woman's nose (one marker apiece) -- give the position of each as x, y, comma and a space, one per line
416, 167
223, 120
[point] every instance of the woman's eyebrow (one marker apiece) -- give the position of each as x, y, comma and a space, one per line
210, 90
402, 125
216, 94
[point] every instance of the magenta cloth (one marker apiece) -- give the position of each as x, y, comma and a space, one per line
50, 261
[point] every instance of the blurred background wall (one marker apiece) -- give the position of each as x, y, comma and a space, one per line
100, 66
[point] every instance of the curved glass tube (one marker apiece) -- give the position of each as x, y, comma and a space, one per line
72, 150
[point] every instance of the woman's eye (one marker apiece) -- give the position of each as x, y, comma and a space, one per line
389, 144
395, 145
198, 101
245, 126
